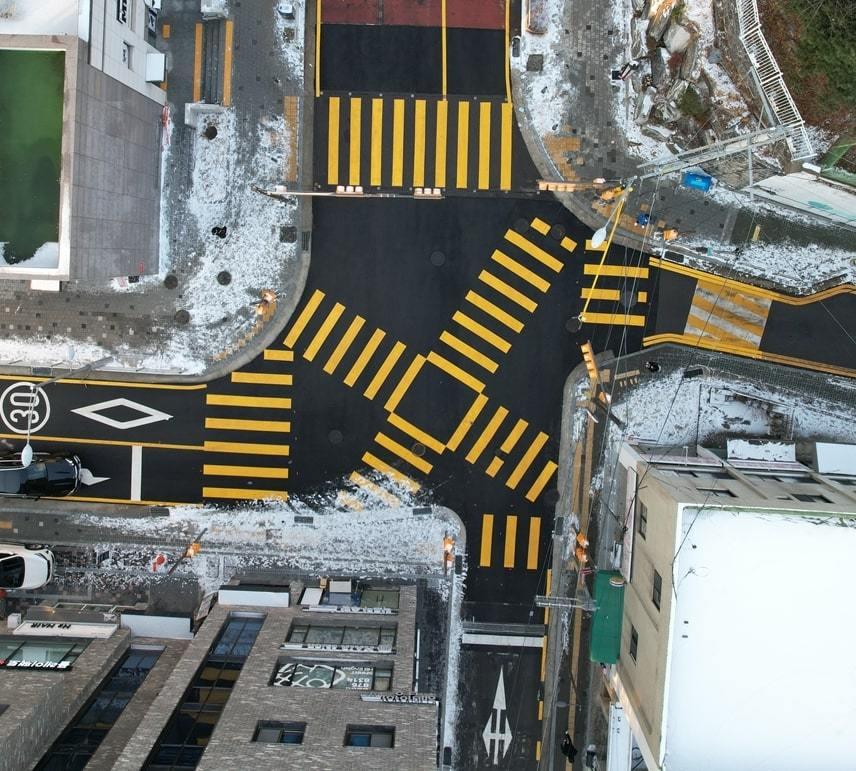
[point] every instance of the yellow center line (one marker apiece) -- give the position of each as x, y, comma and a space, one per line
260, 472
341, 349
234, 493
505, 148
615, 270
197, 63
511, 440
510, 541
419, 144
486, 540
541, 481
519, 270
376, 490
277, 355
527, 460
333, 140
542, 227
524, 244
484, 145
363, 359
466, 424
303, 319
324, 331
227, 63
416, 433
383, 373
230, 400
467, 350
490, 430
407, 379
492, 310
456, 372
508, 291
377, 142
398, 142
241, 448
440, 144
534, 538
481, 331
261, 378
108, 442
394, 474
463, 143
236, 424
402, 452
354, 142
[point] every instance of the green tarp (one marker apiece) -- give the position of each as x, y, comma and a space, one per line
606, 623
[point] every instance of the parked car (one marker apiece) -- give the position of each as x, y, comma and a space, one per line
29, 566
52, 474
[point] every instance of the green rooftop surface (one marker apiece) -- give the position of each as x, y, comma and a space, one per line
606, 623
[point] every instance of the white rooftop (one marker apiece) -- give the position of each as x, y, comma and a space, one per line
762, 672
44, 17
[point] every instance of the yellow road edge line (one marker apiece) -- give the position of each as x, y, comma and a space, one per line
455, 343
541, 482
440, 143
303, 319
239, 424
93, 382
484, 146
403, 452
402, 480
234, 493
462, 148
262, 378
342, 348
377, 142
455, 371
467, 423
355, 128
363, 359
620, 319
625, 271
486, 540
524, 244
333, 140
494, 282
125, 501
197, 63
406, 381
227, 63
416, 433
260, 472
534, 540
108, 442
323, 331
539, 225
397, 142
510, 541
505, 147
374, 489
530, 277
493, 467
232, 400
527, 460
383, 373
514, 436
489, 432
481, 331
242, 448
493, 310
419, 144
274, 354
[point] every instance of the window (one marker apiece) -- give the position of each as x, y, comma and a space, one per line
370, 736
39, 654
127, 54
702, 473
658, 590
634, 642
807, 498
717, 492
380, 597
343, 675
843, 480
341, 636
274, 732
643, 519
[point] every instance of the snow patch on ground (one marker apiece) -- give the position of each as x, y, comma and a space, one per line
291, 51
452, 705
46, 256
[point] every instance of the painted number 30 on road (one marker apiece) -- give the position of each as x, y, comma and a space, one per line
24, 408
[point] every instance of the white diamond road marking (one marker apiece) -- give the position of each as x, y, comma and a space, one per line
150, 415
497, 733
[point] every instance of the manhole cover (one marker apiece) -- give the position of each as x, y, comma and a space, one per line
551, 497
335, 436
418, 449
652, 366
210, 132
287, 234
521, 225
558, 232
220, 231
574, 324
438, 258
224, 278
171, 281
182, 317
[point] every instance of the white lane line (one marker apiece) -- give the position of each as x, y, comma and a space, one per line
136, 472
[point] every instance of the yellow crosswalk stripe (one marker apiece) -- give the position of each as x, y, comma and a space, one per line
493, 467
511, 440
505, 148
486, 540
467, 350
568, 244
383, 373
519, 270
527, 460
273, 354
348, 500
377, 142
510, 541
419, 144
484, 145
257, 472
754, 304
642, 297
342, 348
236, 424
481, 331
233, 493
492, 310
242, 448
534, 536
590, 248
717, 310
403, 452
508, 291
333, 141
230, 400
456, 372
261, 378
713, 328
542, 227
524, 244
407, 379
467, 423
324, 331
363, 358
463, 144
619, 319
440, 144
303, 319
416, 433
397, 142
354, 142
541, 481
373, 489
615, 270
394, 474
489, 432
600, 294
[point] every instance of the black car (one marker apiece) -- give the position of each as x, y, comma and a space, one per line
52, 474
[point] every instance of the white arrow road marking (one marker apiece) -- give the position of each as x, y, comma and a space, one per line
88, 479
497, 734
150, 415
136, 472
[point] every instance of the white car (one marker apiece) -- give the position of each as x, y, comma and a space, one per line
29, 566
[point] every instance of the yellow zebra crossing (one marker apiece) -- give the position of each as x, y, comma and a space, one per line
508, 540
612, 291
725, 315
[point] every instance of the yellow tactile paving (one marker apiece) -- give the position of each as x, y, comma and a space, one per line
402, 480
376, 162
481, 331
273, 354
618, 319
524, 244
419, 143
514, 436
416, 433
505, 148
463, 144
324, 331
406, 380
342, 347
303, 318
440, 144
232, 400
333, 141
493, 310
363, 359
484, 146
530, 277
383, 373
541, 481
236, 424
510, 541
398, 142
456, 372
261, 378
542, 227
494, 282
243, 448
233, 493
486, 540
257, 472
628, 271
404, 453
466, 424
489, 432
534, 540
493, 467
527, 460
374, 489
467, 350
354, 143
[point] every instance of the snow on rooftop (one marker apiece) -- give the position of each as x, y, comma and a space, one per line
833, 458
42, 17
762, 674
759, 449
